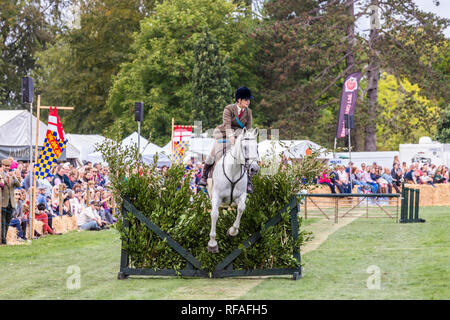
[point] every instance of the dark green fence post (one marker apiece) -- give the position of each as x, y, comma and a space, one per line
405, 203
124, 258
295, 230
416, 213
411, 205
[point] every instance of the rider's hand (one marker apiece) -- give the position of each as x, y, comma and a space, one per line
232, 140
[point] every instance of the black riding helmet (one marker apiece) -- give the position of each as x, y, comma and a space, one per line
243, 93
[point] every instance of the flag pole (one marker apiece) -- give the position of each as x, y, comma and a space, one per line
33, 198
33, 170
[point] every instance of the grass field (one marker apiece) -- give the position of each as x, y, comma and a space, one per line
413, 262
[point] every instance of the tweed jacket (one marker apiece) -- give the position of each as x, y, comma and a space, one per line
8, 189
230, 113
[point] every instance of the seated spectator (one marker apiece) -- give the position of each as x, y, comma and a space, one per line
46, 183
19, 220
106, 210
89, 218
55, 200
390, 180
397, 176
445, 174
41, 197
43, 216
366, 177
77, 203
325, 179
438, 177
382, 183
356, 176
426, 179
410, 176
343, 182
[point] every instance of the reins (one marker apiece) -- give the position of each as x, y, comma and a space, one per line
245, 165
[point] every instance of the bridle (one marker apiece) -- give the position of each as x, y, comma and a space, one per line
245, 167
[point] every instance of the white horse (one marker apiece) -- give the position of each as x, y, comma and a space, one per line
230, 181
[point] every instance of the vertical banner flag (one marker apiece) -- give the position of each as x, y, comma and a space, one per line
348, 101
180, 143
54, 145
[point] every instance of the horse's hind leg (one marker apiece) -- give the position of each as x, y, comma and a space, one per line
212, 244
234, 229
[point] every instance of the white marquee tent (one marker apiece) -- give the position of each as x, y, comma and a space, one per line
147, 149
293, 149
15, 135
86, 143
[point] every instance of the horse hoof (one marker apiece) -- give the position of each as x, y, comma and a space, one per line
229, 235
214, 249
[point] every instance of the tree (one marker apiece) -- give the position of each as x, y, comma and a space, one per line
308, 47
211, 83
78, 69
405, 114
443, 130
26, 27
161, 70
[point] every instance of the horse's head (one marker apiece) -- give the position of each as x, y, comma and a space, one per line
247, 150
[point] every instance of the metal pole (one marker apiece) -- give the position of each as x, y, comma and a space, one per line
139, 140
30, 170
350, 156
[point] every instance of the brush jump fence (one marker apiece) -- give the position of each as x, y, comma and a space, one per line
225, 267
367, 205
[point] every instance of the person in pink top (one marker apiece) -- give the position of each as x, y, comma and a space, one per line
325, 179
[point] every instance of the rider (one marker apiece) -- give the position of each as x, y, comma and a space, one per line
235, 117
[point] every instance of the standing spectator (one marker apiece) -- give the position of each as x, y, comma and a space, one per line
7, 183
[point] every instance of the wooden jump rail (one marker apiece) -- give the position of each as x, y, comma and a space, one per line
345, 196
222, 269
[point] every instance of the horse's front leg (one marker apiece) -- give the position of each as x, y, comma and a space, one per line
212, 244
234, 229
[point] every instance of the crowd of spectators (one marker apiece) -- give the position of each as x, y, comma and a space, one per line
376, 179
82, 192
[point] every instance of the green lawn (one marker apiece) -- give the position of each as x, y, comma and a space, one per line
413, 259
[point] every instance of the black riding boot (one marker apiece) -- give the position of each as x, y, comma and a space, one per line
249, 184
205, 172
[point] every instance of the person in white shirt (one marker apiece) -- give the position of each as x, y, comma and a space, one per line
344, 180
89, 218
77, 203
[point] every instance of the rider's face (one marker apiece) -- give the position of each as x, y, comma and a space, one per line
243, 103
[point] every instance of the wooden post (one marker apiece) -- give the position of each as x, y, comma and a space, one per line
33, 169
336, 210
88, 194
60, 199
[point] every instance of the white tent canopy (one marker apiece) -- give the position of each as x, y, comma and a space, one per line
86, 143
147, 150
293, 149
15, 135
